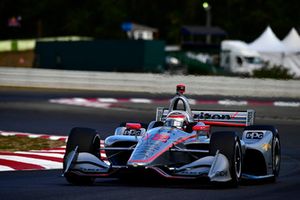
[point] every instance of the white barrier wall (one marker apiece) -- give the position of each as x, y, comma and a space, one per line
141, 82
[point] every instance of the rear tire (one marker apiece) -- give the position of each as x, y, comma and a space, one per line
228, 144
87, 140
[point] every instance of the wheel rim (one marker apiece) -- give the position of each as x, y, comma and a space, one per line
276, 156
238, 160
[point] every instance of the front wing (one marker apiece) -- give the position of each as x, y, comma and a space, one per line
215, 168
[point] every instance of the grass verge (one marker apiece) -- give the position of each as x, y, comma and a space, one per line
16, 143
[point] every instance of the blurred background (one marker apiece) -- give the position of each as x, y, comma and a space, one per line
258, 38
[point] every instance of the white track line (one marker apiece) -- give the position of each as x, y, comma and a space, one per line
232, 102
140, 100
107, 100
80, 100
103, 155
286, 104
96, 104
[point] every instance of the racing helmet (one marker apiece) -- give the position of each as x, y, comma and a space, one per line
176, 119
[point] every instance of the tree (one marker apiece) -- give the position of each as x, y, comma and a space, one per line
242, 19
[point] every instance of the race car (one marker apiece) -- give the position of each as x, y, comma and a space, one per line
178, 144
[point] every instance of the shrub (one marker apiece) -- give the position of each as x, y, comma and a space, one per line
275, 72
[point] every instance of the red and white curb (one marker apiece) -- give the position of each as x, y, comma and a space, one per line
32, 160
36, 159
108, 102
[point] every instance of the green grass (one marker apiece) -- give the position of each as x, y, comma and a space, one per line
16, 143
275, 72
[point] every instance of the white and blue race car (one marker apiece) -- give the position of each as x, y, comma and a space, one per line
179, 144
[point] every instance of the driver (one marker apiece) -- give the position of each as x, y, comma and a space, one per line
177, 119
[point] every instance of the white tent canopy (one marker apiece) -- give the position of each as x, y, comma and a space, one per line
292, 41
267, 42
276, 52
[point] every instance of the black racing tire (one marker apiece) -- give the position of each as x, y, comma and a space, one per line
276, 156
228, 144
276, 147
87, 140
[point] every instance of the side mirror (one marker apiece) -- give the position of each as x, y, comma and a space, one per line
201, 128
134, 126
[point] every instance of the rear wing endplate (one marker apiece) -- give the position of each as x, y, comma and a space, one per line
215, 118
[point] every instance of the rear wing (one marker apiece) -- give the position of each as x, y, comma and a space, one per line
215, 118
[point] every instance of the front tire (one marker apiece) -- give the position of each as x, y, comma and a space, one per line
228, 144
276, 156
87, 140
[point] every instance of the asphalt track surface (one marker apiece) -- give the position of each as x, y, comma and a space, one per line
30, 111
